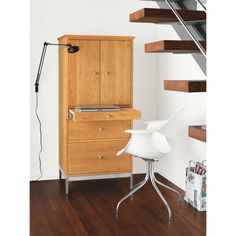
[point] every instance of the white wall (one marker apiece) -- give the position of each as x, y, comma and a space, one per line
51, 19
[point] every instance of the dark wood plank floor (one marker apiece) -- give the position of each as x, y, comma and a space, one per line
90, 210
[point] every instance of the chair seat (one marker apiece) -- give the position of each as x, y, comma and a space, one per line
147, 146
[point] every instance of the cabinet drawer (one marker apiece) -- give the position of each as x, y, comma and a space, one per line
122, 114
98, 129
92, 158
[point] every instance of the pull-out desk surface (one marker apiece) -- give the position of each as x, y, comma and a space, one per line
122, 114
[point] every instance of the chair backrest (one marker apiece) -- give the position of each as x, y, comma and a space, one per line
166, 127
152, 142
169, 129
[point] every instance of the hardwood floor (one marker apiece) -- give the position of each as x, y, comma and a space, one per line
89, 210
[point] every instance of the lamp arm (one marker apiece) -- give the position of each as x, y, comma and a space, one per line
40, 66
59, 44
74, 49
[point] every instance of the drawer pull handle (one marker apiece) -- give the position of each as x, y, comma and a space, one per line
100, 157
109, 116
107, 72
100, 129
95, 72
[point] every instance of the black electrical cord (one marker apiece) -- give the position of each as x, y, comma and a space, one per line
40, 137
71, 49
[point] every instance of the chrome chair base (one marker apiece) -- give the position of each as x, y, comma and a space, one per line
149, 175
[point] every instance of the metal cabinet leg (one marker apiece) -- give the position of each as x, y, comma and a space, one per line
131, 181
67, 185
131, 184
60, 176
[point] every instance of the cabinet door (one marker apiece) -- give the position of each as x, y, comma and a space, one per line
116, 73
84, 74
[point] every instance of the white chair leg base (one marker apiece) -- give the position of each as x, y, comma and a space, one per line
136, 188
149, 175
160, 194
165, 186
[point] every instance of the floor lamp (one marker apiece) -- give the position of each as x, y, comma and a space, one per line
70, 49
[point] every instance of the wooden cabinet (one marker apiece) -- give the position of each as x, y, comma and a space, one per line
100, 73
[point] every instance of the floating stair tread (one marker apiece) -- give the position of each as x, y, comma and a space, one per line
173, 46
197, 132
161, 0
188, 86
155, 15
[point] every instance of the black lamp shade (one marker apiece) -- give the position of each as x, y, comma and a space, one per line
73, 49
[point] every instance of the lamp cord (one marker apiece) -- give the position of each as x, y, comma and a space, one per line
40, 137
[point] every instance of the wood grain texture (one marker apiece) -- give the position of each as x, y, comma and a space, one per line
188, 86
173, 46
116, 61
197, 132
92, 158
98, 129
100, 73
155, 15
122, 114
84, 74
90, 210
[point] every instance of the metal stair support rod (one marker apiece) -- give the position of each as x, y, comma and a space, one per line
201, 48
202, 5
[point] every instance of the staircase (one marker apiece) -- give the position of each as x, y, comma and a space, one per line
187, 22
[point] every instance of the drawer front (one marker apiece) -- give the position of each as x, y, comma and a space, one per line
98, 129
92, 158
122, 114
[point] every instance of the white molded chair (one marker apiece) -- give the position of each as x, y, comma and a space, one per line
151, 144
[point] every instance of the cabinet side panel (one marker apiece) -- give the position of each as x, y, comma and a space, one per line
131, 71
63, 108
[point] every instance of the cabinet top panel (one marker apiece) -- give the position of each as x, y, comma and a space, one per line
95, 37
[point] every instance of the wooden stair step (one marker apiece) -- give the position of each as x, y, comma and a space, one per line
161, 0
173, 46
155, 15
188, 86
197, 132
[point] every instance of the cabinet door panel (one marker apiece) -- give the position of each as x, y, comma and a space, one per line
116, 72
84, 74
